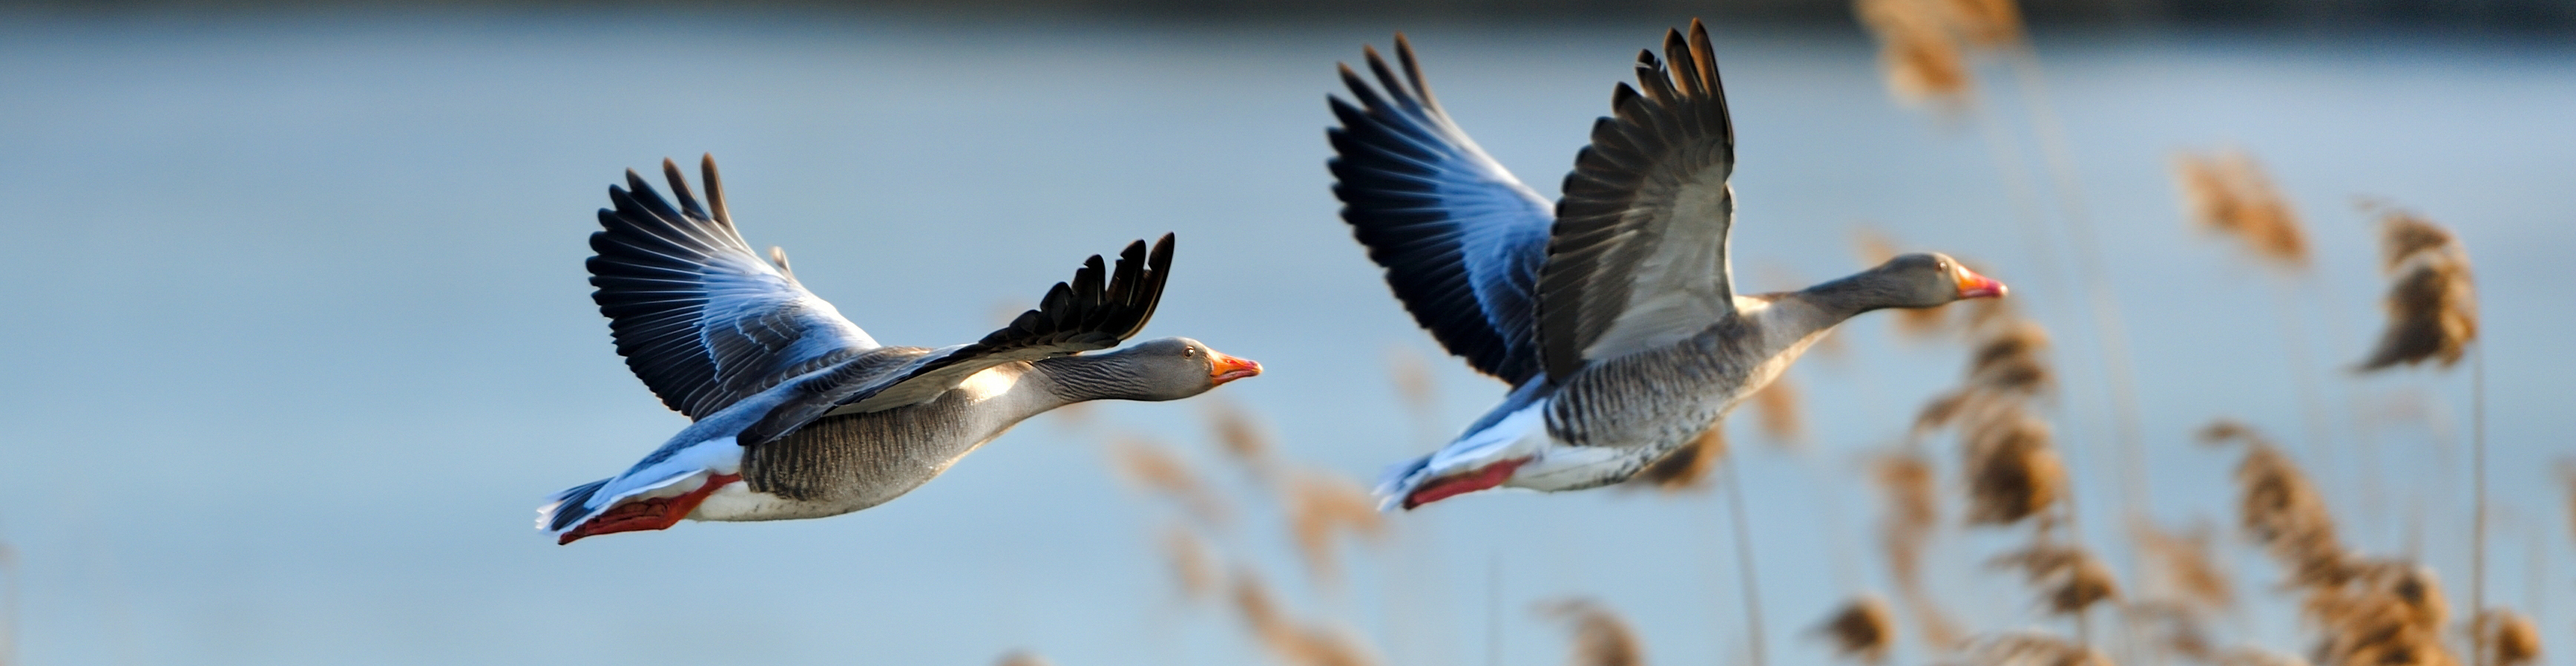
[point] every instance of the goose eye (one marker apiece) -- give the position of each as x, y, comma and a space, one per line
1189, 352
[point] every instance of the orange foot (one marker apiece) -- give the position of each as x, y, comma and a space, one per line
646, 514
1485, 477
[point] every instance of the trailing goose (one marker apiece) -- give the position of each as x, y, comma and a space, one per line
1611, 312
798, 413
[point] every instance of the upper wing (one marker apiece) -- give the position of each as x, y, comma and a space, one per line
699, 317
1460, 238
1096, 310
1638, 255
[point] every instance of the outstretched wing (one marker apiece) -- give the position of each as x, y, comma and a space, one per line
698, 315
1097, 310
1638, 255
1461, 240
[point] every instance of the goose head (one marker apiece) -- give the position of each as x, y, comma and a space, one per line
1918, 280
1156, 370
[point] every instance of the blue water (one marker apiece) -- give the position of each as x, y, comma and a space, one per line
298, 335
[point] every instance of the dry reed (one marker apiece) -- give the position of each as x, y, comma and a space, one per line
1152, 468
2012, 359
2245, 656
2280, 509
2567, 479
1287, 640
2182, 561
1905, 482
2380, 613
1194, 563
2228, 193
1687, 468
2069, 578
1863, 629
8, 604
1601, 638
1241, 437
2174, 628
1775, 410
2030, 649
2431, 302
1919, 49
1022, 658
2508, 638
1321, 506
2013, 471
1987, 23
1411, 374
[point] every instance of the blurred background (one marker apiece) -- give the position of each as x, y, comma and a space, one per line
298, 334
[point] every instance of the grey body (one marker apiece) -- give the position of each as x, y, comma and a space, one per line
797, 413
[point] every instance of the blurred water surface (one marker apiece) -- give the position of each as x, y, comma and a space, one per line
298, 332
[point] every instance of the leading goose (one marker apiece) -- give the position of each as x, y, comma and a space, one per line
798, 413
1611, 313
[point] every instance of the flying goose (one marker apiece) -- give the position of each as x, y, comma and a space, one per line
1611, 313
798, 413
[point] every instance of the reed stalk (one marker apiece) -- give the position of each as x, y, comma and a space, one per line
1744, 564
2478, 481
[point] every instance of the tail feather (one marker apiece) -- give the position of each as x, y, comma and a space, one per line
1512, 439
1399, 481
565, 509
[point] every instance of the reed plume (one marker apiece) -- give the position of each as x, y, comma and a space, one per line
1863, 629
1412, 377
2380, 613
1150, 467
2030, 649
2508, 638
1287, 640
1987, 23
2280, 509
2069, 578
1775, 410
1241, 438
2246, 656
1194, 563
1321, 506
2013, 471
1601, 638
1686, 468
1919, 49
2012, 360
2182, 560
2228, 193
2432, 300
2174, 628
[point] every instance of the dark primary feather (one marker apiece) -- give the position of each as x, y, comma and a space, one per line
1668, 139
1096, 310
699, 316
1460, 238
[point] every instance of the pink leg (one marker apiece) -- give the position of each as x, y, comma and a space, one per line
1486, 477
647, 514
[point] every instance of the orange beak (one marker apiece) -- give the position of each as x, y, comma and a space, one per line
1223, 368
1972, 285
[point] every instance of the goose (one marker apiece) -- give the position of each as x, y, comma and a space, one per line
796, 412
1611, 313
